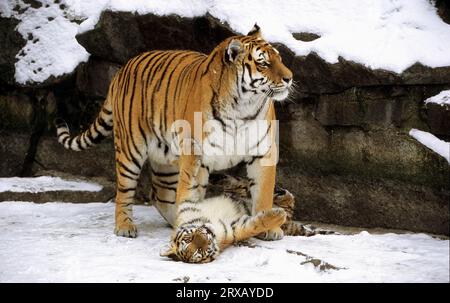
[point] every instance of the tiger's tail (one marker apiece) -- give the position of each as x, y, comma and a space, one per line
101, 128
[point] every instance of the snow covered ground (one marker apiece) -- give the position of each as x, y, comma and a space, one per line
62, 242
432, 142
45, 183
387, 34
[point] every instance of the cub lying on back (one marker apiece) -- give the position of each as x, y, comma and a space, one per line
205, 228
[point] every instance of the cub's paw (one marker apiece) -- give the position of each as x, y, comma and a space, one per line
127, 230
271, 235
272, 218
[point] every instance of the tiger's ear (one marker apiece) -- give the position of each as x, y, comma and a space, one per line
170, 253
234, 49
255, 31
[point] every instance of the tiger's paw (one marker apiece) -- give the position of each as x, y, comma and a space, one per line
272, 218
272, 234
127, 230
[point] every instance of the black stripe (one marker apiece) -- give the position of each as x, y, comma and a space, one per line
106, 112
98, 139
163, 201
127, 168
265, 135
166, 95
131, 101
209, 63
198, 220
165, 186
147, 72
189, 208
234, 222
168, 183
252, 84
224, 228
125, 190
155, 68
163, 174
205, 167
127, 176
103, 124
253, 160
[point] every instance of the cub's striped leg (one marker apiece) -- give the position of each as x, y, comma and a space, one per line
251, 226
129, 163
262, 180
164, 188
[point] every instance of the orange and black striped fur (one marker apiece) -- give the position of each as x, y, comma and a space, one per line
206, 228
233, 88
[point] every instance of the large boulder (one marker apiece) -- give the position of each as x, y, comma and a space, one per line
118, 36
438, 119
315, 76
354, 201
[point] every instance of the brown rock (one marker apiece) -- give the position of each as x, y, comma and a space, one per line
119, 36
353, 201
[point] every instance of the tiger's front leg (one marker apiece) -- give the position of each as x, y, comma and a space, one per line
192, 180
261, 171
262, 186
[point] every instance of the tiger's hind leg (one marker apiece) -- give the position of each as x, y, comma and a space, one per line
251, 226
129, 161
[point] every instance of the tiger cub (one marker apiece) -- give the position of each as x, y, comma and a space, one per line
204, 229
238, 188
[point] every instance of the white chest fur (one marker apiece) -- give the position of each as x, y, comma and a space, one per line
238, 135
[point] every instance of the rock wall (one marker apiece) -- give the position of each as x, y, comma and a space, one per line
345, 151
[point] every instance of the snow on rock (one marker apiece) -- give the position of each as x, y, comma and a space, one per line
443, 98
386, 34
45, 183
51, 48
432, 142
60, 242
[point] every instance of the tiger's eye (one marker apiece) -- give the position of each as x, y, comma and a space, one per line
250, 57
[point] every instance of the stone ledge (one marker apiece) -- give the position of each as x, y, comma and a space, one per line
106, 194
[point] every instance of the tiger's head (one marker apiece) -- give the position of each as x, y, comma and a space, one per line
259, 66
193, 244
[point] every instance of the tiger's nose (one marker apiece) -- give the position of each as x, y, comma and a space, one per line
287, 80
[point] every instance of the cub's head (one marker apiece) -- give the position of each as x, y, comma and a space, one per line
193, 244
259, 65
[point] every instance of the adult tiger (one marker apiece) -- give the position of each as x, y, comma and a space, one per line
233, 88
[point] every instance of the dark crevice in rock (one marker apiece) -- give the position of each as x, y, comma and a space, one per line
11, 42
443, 9
39, 126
